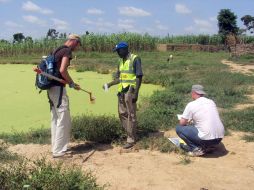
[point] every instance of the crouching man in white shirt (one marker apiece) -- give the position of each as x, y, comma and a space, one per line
206, 129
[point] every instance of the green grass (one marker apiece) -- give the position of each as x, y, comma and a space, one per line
41, 174
249, 138
247, 59
23, 108
5, 155
239, 120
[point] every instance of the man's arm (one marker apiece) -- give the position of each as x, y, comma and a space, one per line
139, 74
115, 81
138, 84
64, 72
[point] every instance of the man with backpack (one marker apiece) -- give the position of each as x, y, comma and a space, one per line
59, 101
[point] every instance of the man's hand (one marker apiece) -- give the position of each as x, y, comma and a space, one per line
105, 87
74, 85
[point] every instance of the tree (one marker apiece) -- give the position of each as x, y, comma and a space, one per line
227, 22
18, 37
52, 33
29, 39
248, 22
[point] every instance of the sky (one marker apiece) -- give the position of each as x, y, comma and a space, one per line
155, 17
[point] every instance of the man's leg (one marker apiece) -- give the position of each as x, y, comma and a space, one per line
190, 136
54, 119
122, 111
132, 119
63, 124
209, 145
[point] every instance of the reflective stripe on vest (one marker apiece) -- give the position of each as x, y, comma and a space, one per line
127, 75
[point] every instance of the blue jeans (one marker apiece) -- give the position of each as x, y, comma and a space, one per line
190, 136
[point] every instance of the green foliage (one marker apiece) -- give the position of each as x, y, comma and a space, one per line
227, 22
248, 22
5, 155
161, 144
249, 138
96, 128
45, 175
239, 120
36, 136
161, 113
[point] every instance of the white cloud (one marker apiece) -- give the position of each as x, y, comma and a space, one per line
182, 9
126, 24
95, 11
160, 26
12, 24
100, 23
60, 24
132, 11
34, 20
31, 7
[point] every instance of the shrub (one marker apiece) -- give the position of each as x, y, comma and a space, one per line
36, 136
241, 120
45, 175
161, 112
5, 155
96, 128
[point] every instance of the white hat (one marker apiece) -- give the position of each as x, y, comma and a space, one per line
199, 89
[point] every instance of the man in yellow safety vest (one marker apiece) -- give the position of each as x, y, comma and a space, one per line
128, 77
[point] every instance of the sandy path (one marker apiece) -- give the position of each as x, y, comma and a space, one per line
230, 168
246, 69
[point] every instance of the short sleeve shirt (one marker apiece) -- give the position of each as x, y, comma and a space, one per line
205, 116
63, 52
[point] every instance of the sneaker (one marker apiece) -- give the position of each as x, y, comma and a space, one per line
196, 152
128, 145
57, 155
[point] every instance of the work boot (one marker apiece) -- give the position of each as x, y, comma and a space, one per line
128, 145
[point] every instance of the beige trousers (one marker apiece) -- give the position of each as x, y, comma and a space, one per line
127, 115
60, 120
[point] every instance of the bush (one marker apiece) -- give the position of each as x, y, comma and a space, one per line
96, 128
36, 136
161, 112
241, 120
5, 155
44, 175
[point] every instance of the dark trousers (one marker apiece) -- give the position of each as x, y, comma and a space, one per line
127, 115
190, 136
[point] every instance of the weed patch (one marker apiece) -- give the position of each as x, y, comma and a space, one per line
44, 175
239, 120
5, 155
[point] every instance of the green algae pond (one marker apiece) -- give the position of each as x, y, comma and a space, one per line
23, 108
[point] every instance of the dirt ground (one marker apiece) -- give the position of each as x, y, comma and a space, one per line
230, 167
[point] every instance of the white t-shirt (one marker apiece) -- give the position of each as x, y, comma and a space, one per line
205, 116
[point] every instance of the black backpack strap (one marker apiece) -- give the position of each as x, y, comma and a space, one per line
60, 97
50, 101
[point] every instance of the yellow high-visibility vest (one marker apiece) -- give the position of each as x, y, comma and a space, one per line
127, 75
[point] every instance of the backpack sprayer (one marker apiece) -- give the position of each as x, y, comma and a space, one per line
40, 72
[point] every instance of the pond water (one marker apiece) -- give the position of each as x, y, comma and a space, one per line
22, 107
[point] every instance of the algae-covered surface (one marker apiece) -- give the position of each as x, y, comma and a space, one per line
22, 107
